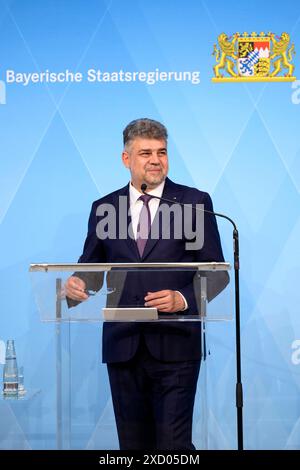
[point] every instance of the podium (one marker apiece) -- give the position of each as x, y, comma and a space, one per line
116, 295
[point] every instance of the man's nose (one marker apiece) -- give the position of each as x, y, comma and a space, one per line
154, 159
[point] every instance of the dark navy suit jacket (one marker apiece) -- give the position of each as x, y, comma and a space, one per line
166, 341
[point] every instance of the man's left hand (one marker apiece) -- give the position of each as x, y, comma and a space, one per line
168, 301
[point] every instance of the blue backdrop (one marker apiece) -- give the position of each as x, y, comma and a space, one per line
60, 147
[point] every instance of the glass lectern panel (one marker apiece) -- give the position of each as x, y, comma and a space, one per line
116, 292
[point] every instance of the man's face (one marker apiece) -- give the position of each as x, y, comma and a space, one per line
147, 160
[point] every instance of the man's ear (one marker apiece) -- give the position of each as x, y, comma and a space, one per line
125, 159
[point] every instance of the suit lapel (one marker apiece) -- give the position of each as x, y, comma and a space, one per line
129, 239
171, 192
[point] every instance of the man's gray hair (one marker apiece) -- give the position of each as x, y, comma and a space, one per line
145, 128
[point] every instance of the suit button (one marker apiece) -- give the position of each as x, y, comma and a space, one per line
137, 297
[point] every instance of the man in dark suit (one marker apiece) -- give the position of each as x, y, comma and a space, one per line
153, 368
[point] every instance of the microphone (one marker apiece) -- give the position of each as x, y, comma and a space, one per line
144, 187
239, 386
218, 214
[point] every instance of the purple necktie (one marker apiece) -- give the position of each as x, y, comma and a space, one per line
144, 224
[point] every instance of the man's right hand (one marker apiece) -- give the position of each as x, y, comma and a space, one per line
75, 289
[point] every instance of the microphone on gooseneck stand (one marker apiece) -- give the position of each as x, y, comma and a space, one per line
144, 187
239, 386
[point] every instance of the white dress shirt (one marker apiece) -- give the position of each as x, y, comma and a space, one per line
136, 207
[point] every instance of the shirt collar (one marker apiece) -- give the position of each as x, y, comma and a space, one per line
134, 194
